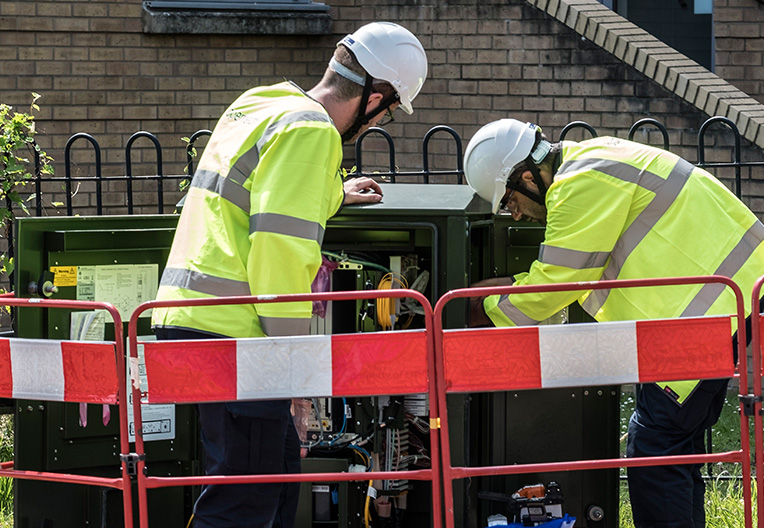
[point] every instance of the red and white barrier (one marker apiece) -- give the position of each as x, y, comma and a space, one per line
74, 371
588, 354
286, 367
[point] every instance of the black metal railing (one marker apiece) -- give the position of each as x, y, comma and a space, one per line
393, 173
737, 163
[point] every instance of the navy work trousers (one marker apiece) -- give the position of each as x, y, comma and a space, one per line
671, 496
245, 438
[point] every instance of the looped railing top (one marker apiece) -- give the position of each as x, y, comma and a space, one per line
390, 148
425, 172
736, 153
68, 173
577, 124
426, 157
650, 121
129, 169
190, 150
393, 173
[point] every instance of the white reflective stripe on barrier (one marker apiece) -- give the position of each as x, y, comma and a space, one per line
598, 354
286, 367
535, 357
43, 369
290, 367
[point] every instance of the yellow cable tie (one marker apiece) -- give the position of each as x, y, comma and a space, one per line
435, 423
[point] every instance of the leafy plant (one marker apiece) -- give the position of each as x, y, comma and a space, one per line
20, 159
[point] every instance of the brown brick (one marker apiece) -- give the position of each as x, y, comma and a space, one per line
109, 25
70, 83
533, 72
105, 112
133, 55
462, 57
106, 54
191, 69
53, 39
34, 24
568, 104
194, 98
558, 89
8, 23
174, 83
522, 57
523, 88
125, 10
8, 53
498, 88
69, 112
538, 103
229, 69
140, 83
69, 53
54, 9
105, 83
88, 68
75, 25
123, 97
477, 42
479, 71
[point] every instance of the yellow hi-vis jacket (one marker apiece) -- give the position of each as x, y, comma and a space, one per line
622, 210
254, 216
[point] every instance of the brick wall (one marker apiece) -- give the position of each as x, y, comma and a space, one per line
99, 74
739, 44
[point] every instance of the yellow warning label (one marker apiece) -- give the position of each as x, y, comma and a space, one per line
64, 275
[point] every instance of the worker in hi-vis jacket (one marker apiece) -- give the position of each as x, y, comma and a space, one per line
252, 224
615, 209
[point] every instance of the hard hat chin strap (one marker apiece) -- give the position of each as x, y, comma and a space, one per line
363, 119
540, 197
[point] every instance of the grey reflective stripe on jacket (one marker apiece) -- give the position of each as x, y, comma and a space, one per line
286, 120
666, 192
231, 187
572, 258
286, 225
733, 262
227, 188
219, 287
514, 314
203, 283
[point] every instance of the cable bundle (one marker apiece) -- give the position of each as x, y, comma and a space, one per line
386, 312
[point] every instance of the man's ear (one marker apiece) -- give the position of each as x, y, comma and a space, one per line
527, 177
374, 99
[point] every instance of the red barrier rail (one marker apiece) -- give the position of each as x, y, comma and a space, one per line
457, 371
351, 376
756, 409
89, 372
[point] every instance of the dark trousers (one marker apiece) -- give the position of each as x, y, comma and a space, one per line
246, 438
671, 496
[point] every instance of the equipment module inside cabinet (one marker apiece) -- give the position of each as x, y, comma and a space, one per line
371, 271
385, 433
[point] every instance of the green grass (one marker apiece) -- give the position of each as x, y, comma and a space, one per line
6, 484
724, 496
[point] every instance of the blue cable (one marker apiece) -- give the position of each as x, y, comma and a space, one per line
344, 422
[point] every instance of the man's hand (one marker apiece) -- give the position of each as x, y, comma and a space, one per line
478, 317
361, 190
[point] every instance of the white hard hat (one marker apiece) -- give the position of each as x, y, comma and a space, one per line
492, 154
390, 53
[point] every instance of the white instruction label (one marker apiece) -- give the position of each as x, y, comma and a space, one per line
125, 286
